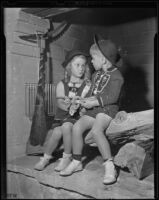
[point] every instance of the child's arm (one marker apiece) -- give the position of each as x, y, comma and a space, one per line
63, 102
109, 94
90, 102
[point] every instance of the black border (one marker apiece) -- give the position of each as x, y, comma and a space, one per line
81, 4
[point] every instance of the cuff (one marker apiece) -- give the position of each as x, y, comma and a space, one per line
100, 100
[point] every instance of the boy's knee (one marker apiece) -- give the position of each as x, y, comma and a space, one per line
101, 116
95, 132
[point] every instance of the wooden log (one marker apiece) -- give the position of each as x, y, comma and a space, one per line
126, 127
133, 133
127, 121
137, 157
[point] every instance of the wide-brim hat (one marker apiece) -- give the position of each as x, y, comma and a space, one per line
107, 48
71, 54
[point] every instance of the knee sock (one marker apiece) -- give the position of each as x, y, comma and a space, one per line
77, 157
110, 159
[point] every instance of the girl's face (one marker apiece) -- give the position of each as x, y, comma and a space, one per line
78, 65
97, 61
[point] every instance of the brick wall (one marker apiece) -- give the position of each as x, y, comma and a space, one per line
22, 66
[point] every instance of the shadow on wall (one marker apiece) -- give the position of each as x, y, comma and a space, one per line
135, 89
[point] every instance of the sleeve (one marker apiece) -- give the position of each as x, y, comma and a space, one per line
110, 93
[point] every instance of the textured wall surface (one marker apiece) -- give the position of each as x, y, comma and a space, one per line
22, 59
137, 40
76, 37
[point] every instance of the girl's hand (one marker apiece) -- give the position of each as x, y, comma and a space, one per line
67, 100
82, 111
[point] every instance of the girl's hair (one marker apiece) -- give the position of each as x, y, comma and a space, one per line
69, 65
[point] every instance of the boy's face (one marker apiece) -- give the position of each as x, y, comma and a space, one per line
78, 65
97, 61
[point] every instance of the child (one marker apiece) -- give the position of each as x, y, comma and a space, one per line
68, 94
102, 106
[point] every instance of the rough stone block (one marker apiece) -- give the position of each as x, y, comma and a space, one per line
29, 187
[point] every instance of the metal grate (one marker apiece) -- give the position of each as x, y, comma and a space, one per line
30, 99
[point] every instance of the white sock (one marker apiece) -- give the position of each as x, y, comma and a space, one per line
76, 161
47, 156
66, 155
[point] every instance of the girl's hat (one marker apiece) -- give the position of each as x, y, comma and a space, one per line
71, 54
108, 49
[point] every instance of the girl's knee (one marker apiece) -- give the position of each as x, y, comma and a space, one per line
67, 126
56, 133
77, 128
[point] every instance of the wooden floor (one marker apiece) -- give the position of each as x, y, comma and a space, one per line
87, 183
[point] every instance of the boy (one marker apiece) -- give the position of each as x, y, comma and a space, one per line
101, 105
67, 93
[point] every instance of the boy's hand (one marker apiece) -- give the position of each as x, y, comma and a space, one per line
87, 103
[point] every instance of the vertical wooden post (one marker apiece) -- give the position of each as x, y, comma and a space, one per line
39, 125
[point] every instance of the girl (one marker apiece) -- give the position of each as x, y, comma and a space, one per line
68, 93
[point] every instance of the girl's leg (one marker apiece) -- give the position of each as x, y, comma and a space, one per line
98, 131
67, 136
50, 146
53, 141
67, 141
83, 124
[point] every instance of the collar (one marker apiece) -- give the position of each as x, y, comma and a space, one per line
111, 69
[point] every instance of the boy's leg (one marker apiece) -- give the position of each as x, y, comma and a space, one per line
83, 124
51, 145
98, 131
67, 141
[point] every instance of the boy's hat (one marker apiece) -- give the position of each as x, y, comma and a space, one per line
107, 48
71, 54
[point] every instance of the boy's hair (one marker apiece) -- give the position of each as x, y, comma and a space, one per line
95, 50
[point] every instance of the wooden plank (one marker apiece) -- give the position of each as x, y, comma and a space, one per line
22, 49
31, 19
24, 27
17, 39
